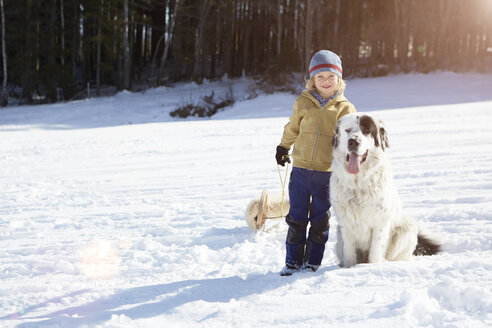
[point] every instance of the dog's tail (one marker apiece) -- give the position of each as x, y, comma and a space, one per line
426, 244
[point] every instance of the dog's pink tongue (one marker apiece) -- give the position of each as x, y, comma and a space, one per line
354, 163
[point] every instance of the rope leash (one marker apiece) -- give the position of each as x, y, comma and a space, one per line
282, 183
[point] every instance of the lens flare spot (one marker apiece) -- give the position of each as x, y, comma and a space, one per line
15, 316
100, 260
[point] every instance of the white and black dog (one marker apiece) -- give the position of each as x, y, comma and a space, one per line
371, 225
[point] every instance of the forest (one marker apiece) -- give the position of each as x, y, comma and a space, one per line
56, 50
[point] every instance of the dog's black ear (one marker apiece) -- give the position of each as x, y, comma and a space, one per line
336, 138
369, 126
383, 136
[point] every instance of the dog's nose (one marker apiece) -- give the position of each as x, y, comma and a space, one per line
353, 144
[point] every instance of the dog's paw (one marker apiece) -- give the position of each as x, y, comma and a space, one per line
348, 262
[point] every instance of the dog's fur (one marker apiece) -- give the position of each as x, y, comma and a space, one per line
273, 210
371, 225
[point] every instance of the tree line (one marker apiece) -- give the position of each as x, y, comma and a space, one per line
55, 49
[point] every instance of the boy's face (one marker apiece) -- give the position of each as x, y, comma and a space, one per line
326, 83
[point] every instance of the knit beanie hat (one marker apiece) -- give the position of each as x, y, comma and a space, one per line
325, 61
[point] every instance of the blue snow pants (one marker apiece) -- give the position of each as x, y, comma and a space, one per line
309, 193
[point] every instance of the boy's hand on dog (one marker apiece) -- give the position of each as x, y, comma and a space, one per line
282, 156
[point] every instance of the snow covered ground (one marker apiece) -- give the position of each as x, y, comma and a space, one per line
114, 214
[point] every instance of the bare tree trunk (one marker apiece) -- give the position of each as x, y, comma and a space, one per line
214, 40
98, 55
131, 39
402, 14
445, 13
319, 27
336, 26
155, 54
204, 10
76, 42
279, 27
298, 23
246, 26
126, 47
396, 35
228, 40
308, 36
4, 56
62, 21
170, 30
484, 30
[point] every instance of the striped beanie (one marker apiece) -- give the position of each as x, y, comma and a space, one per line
323, 61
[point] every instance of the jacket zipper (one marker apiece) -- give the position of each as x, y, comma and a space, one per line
317, 136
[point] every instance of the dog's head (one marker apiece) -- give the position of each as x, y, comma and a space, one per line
357, 138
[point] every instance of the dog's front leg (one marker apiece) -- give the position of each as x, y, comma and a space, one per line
349, 248
379, 242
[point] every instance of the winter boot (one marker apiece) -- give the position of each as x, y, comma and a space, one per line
310, 267
289, 270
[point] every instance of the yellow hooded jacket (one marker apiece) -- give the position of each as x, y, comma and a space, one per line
311, 129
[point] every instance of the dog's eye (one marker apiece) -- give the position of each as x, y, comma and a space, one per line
366, 131
348, 130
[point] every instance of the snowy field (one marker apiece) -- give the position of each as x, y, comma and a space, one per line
114, 214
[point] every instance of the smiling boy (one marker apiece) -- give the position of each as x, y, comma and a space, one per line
311, 129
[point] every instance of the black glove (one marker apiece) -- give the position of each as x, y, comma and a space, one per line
282, 156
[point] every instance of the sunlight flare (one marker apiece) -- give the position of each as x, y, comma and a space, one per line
100, 260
